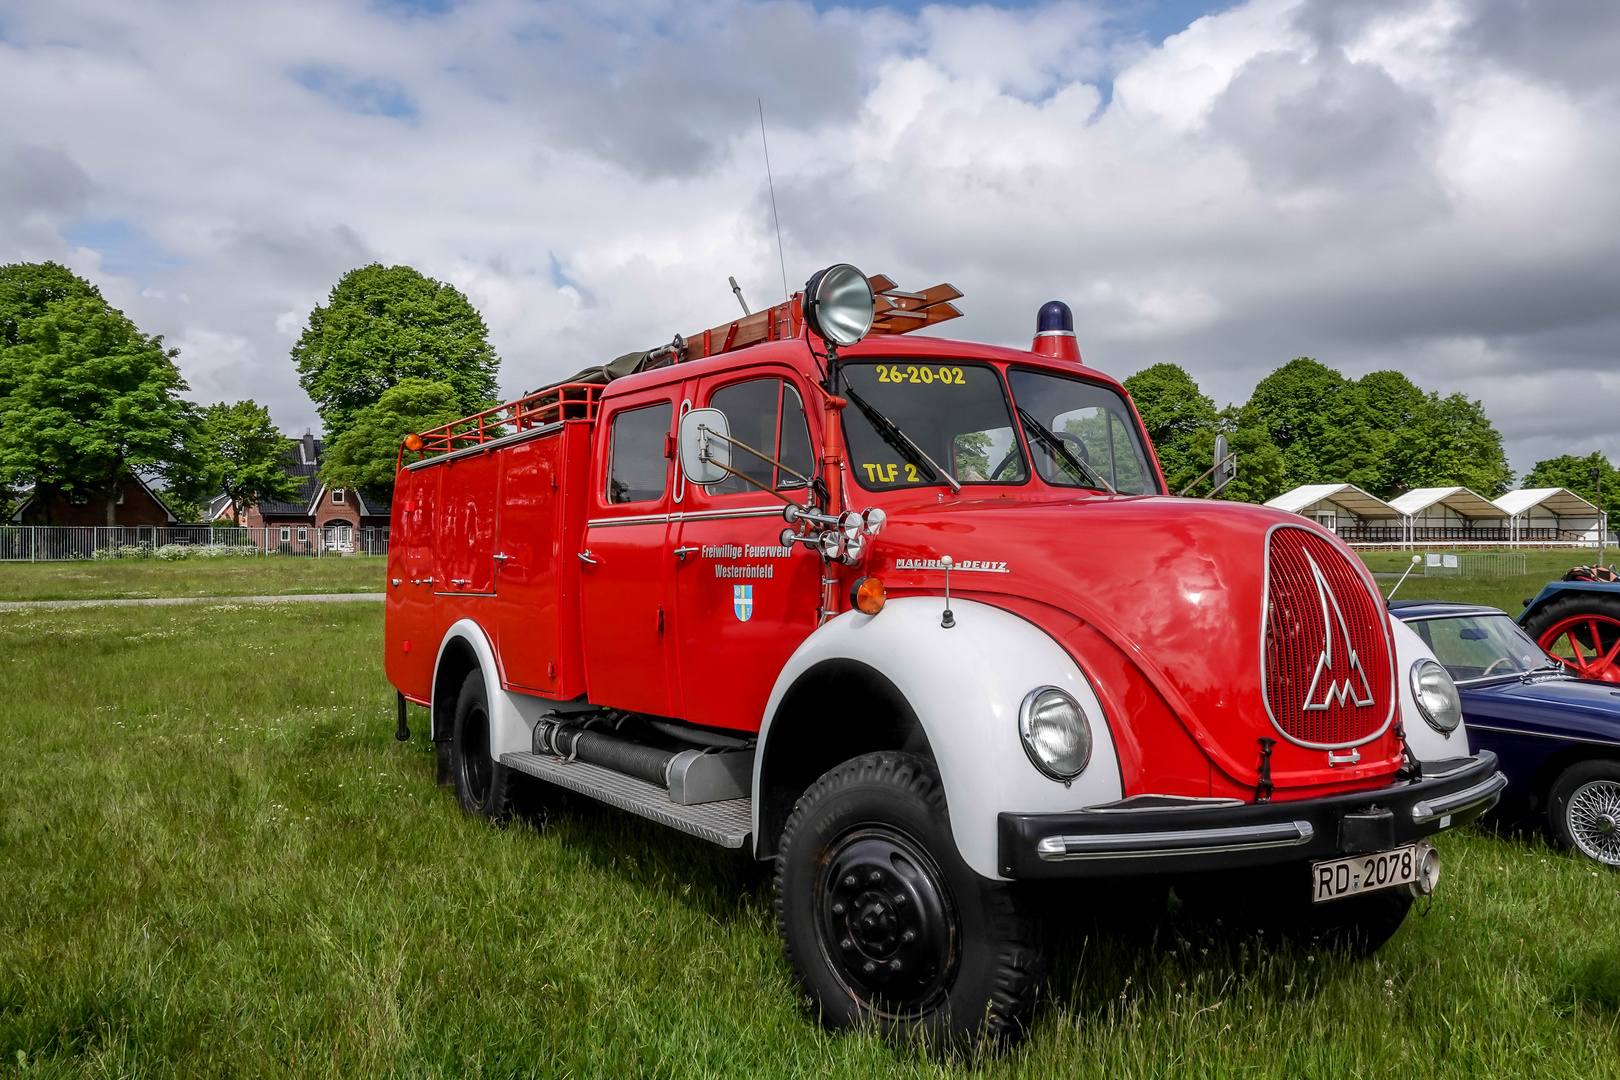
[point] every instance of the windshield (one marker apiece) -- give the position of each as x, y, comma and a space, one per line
1478, 646
955, 413
1095, 426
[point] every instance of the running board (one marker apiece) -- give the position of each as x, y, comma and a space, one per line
725, 823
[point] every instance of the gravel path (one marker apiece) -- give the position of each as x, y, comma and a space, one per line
159, 601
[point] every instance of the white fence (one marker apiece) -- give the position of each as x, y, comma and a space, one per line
58, 543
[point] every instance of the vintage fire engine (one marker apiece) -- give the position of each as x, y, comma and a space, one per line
917, 620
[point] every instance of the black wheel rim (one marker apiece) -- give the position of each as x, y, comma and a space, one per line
475, 765
886, 921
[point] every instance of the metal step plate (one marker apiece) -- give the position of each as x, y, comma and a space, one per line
725, 823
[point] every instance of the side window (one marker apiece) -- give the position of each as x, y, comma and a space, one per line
768, 415
750, 409
637, 467
795, 450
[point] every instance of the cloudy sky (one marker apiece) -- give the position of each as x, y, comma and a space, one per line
1428, 185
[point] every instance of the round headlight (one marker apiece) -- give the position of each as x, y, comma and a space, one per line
1055, 732
1436, 696
838, 304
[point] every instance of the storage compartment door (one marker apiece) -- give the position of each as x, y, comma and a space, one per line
528, 603
465, 540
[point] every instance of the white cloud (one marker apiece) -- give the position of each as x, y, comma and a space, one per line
1414, 184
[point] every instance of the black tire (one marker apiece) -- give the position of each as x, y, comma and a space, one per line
1574, 603
1275, 903
483, 784
1583, 811
866, 859
1360, 925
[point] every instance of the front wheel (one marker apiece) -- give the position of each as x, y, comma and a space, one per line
1583, 810
884, 923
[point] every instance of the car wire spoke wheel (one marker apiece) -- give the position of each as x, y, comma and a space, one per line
1589, 644
886, 921
1593, 817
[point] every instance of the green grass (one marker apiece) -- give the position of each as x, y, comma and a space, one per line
128, 578
216, 861
1507, 593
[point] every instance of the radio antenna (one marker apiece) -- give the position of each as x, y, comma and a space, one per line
786, 296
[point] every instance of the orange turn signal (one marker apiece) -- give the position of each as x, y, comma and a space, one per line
867, 595
413, 441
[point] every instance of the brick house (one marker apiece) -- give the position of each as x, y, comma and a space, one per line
137, 505
343, 519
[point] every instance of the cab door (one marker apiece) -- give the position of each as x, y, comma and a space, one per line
625, 564
745, 602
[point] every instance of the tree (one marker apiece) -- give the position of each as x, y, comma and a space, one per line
243, 456
363, 455
1400, 413
86, 399
1322, 423
1178, 416
1430, 441
1458, 445
1575, 473
384, 324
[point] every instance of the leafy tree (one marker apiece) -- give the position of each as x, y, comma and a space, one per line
363, 455
1180, 419
86, 399
1323, 425
384, 324
1401, 412
1430, 441
1575, 473
1458, 444
243, 455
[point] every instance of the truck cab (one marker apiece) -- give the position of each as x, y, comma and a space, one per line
917, 620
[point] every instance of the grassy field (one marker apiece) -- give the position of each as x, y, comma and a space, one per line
1507, 593
216, 861
129, 578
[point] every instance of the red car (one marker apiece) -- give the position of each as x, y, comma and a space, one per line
917, 620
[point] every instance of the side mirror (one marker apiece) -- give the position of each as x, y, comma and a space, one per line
702, 454
1225, 467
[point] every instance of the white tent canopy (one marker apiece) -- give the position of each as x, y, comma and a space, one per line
1445, 502
1348, 497
1555, 511
1557, 501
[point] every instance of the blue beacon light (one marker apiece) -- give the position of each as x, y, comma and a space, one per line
1054, 332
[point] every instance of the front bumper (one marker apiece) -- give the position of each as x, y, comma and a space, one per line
1121, 840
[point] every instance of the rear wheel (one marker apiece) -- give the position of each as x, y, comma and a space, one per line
1581, 628
483, 785
1583, 810
884, 923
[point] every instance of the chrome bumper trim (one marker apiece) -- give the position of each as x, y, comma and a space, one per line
1426, 810
1180, 842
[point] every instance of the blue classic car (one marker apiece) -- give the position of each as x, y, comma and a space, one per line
1556, 737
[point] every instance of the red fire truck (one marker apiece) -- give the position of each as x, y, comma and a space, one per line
917, 620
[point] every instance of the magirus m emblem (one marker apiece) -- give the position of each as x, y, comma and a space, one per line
1326, 685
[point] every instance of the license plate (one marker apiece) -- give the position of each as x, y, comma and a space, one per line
1339, 878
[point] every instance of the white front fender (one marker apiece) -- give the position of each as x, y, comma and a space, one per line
1426, 743
511, 716
966, 685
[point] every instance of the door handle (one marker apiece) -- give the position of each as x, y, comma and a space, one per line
461, 581
585, 556
501, 556
682, 552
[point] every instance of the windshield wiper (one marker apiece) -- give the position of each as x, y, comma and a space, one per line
1055, 444
891, 434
